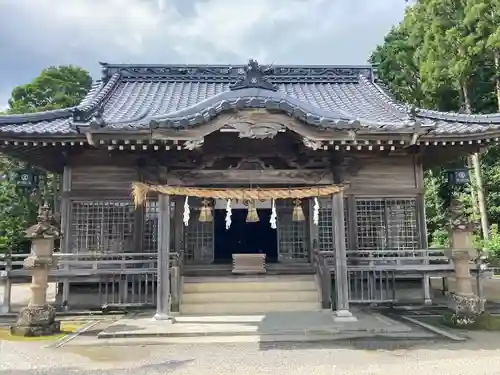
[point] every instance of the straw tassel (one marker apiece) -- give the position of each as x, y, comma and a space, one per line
228, 214
316, 211
187, 212
274, 216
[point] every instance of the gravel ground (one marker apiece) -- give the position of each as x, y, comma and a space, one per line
478, 356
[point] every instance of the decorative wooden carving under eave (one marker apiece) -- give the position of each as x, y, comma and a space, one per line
194, 144
251, 164
252, 130
312, 144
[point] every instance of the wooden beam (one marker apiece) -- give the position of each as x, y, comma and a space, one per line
270, 176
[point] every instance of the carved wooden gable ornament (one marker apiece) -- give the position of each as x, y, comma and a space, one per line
254, 76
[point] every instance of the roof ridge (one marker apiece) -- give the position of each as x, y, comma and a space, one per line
53, 114
97, 93
484, 118
235, 72
439, 115
95, 99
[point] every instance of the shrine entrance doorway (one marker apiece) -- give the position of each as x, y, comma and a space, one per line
244, 237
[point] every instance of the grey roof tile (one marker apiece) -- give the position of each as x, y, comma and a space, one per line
61, 126
131, 97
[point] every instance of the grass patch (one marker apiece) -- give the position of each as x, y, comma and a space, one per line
484, 322
66, 328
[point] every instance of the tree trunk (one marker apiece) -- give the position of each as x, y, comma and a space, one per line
496, 59
481, 196
474, 160
466, 98
473, 189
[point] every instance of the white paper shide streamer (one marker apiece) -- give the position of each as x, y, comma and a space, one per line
187, 212
273, 218
228, 214
316, 211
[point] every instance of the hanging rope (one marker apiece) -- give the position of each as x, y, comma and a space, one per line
141, 190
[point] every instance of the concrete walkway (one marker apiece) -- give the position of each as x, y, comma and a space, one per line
277, 326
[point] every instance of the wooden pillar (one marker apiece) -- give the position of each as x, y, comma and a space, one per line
66, 230
342, 312
163, 261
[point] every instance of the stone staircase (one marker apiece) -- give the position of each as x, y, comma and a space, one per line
249, 294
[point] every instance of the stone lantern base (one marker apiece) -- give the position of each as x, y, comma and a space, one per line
467, 305
36, 321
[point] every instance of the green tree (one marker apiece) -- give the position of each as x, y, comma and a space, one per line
482, 19
16, 209
54, 88
444, 55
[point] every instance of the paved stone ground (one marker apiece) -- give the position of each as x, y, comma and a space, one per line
478, 356
297, 322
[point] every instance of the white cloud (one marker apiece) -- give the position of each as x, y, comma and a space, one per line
38, 33
4, 98
155, 27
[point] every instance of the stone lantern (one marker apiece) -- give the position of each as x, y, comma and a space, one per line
38, 318
463, 301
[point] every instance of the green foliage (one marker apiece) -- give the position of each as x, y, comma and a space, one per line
439, 239
492, 245
17, 209
445, 55
482, 322
54, 88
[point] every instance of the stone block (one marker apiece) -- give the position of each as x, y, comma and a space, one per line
36, 321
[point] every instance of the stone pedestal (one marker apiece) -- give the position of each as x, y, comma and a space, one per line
464, 302
38, 318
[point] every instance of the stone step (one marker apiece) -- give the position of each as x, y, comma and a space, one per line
246, 307
248, 284
265, 296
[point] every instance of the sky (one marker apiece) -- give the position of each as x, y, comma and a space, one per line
35, 34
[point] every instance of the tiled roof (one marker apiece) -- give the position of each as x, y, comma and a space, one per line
137, 97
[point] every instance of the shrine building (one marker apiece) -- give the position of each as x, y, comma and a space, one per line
305, 174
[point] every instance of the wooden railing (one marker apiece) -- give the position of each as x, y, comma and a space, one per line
379, 264
81, 266
400, 260
324, 275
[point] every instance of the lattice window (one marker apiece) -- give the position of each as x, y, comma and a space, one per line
199, 237
101, 226
325, 225
292, 234
387, 224
325, 229
150, 226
